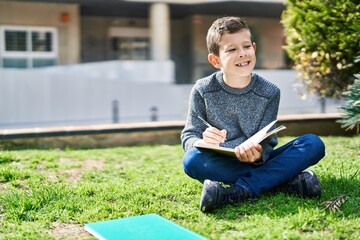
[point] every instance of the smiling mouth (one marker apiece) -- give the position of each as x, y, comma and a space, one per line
243, 64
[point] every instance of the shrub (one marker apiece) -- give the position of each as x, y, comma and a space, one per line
323, 39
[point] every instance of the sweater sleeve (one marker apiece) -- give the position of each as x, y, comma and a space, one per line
193, 127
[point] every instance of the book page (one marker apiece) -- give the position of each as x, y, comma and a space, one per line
272, 132
256, 138
259, 136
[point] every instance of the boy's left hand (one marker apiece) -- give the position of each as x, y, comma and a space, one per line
250, 152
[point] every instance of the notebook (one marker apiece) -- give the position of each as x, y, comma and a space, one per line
147, 227
256, 138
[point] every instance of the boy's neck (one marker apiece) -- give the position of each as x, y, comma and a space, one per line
237, 82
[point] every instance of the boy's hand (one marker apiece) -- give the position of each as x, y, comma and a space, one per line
214, 136
249, 152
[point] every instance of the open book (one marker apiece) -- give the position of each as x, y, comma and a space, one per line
256, 138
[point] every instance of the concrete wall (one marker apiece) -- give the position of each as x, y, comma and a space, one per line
112, 135
85, 94
292, 100
47, 15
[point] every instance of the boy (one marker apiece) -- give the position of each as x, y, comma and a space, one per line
238, 103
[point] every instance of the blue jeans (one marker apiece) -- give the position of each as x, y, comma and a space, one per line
284, 163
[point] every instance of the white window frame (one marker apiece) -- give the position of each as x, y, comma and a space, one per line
28, 54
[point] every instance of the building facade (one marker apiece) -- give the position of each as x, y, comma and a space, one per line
79, 62
37, 33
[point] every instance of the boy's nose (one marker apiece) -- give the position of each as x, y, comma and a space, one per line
242, 53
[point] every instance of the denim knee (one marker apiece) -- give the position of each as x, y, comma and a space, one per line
198, 163
189, 162
314, 146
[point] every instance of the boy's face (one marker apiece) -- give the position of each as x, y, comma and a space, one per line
236, 54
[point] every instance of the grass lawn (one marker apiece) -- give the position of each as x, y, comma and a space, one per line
50, 194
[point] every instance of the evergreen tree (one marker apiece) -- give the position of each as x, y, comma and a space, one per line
352, 106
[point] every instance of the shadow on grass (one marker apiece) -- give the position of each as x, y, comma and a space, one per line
279, 205
348, 186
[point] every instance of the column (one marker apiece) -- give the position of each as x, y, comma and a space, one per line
160, 31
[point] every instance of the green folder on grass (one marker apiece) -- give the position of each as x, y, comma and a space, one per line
147, 227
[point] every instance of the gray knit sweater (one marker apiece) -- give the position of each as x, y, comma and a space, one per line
241, 112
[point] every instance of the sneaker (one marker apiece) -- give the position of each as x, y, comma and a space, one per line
215, 195
305, 185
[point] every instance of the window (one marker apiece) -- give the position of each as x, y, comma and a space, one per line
129, 43
27, 47
130, 48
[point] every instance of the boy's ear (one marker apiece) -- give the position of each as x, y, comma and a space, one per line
254, 46
214, 60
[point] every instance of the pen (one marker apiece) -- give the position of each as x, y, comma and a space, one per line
205, 122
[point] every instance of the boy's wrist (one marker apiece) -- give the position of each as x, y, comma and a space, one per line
197, 141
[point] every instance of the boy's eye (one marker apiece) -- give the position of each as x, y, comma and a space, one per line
231, 50
247, 46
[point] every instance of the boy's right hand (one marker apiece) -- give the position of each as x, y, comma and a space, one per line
214, 136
